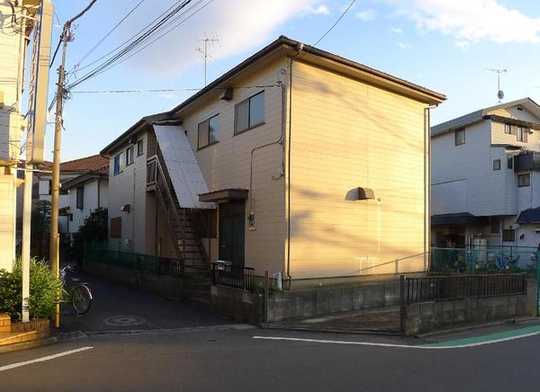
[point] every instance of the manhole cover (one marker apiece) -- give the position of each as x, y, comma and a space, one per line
124, 321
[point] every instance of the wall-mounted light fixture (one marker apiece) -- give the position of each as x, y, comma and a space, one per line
360, 193
126, 208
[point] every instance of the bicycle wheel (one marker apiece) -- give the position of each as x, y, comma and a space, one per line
81, 299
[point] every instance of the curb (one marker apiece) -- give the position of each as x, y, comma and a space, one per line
133, 332
28, 345
366, 331
474, 327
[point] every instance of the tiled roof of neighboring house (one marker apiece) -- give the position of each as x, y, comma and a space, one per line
94, 163
288, 47
479, 115
530, 216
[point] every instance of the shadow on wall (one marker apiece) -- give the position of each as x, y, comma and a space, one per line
384, 123
320, 241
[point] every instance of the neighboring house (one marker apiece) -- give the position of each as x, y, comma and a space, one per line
87, 193
17, 22
485, 177
296, 161
69, 171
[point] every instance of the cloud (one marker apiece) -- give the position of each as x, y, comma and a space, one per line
321, 9
240, 25
366, 15
396, 30
404, 45
471, 21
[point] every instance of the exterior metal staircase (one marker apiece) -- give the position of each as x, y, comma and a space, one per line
185, 228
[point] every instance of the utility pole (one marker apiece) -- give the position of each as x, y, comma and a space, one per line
54, 241
204, 52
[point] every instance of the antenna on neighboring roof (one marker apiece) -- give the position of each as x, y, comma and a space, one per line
204, 52
499, 71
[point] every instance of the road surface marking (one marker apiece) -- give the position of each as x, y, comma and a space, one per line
451, 344
43, 359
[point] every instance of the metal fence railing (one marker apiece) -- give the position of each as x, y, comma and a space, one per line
137, 262
436, 288
486, 259
226, 274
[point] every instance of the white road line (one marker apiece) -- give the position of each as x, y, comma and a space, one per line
419, 347
43, 359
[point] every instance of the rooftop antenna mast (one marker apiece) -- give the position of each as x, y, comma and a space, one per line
499, 71
204, 51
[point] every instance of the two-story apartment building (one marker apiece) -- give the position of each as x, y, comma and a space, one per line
485, 179
296, 161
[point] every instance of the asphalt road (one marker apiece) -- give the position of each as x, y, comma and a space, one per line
216, 360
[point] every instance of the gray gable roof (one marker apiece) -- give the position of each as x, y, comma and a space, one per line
477, 116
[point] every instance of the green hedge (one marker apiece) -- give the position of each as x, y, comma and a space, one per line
44, 288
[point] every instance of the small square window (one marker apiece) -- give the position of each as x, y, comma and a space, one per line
140, 148
496, 164
459, 136
208, 132
508, 129
249, 113
509, 235
524, 180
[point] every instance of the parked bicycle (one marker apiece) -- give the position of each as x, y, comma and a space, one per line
78, 294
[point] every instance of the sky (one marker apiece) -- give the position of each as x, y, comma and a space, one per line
446, 45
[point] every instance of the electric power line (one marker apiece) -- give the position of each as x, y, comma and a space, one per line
336, 22
143, 40
134, 37
131, 11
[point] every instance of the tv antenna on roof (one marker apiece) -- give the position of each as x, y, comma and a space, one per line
499, 71
204, 51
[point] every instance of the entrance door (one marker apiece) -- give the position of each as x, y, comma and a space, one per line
231, 232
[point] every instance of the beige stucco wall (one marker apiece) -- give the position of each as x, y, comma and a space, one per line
347, 134
227, 163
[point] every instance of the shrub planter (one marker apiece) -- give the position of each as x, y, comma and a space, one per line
42, 326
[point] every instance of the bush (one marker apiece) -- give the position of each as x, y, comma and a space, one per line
43, 290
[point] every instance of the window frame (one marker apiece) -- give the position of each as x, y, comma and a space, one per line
528, 182
456, 132
117, 166
207, 121
509, 128
79, 197
130, 155
510, 163
497, 164
509, 232
250, 126
522, 134
140, 147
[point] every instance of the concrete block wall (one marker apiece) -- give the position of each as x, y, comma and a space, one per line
429, 316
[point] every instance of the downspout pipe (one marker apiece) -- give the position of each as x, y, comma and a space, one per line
427, 186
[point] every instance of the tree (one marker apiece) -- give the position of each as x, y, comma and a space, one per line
94, 229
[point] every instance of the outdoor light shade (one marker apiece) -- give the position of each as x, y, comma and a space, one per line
360, 193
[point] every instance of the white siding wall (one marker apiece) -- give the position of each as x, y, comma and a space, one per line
129, 187
90, 202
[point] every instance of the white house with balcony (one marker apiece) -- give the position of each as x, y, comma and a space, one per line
486, 177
